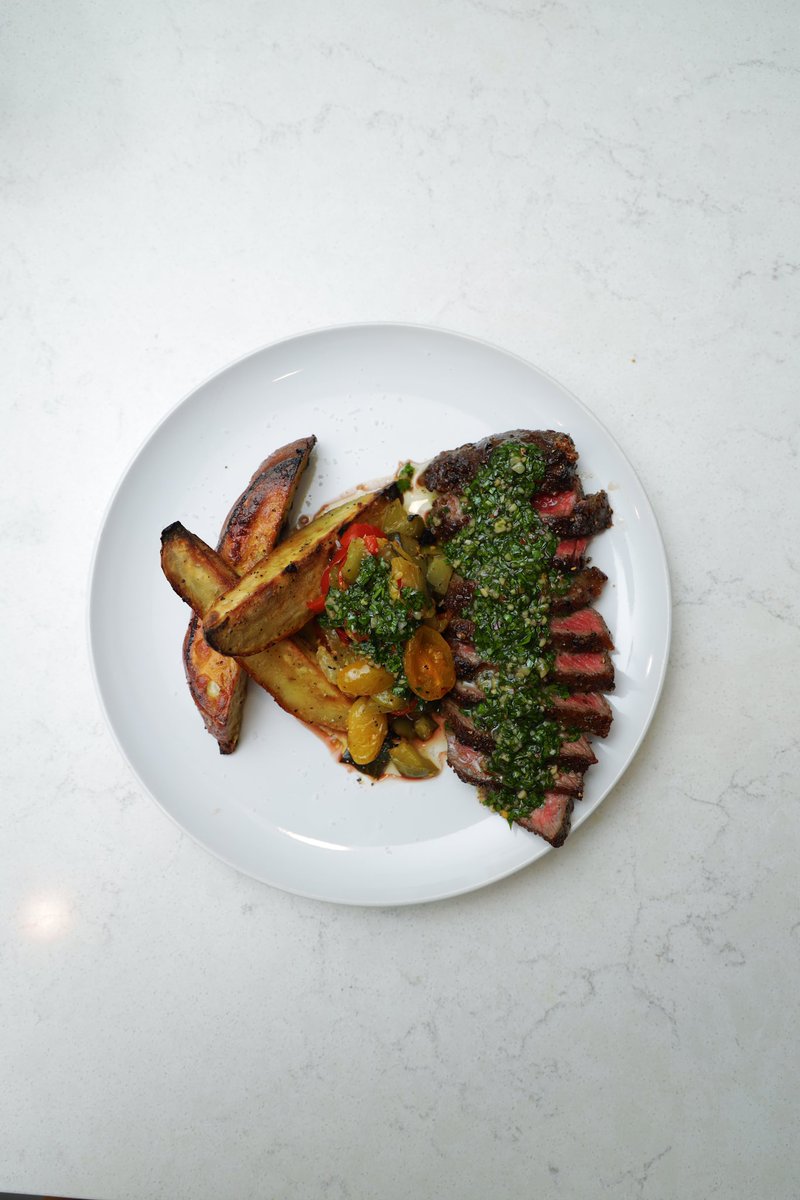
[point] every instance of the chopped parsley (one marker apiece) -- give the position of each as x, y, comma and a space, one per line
404, 477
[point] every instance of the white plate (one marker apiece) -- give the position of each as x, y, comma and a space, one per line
280, 809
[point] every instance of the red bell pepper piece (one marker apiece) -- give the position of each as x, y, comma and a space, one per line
369, 534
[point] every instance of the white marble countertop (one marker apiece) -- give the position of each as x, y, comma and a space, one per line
609, 190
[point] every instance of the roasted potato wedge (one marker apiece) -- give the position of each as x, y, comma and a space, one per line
297, 683
217, 683
193, 569
218, 686
254, 524
288, 671
271, 601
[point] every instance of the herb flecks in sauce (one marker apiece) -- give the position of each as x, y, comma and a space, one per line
508, 551
381, 623
404, 477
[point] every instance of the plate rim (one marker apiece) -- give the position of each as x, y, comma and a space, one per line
349, 327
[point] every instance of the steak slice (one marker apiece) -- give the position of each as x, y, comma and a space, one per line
559, 505
465, 730
581, 630
468, 763
454, 470
589, 672
577, 755
468, 662
459, 594
570, 553
551, 821
570, 782
589, 712
460, 629
584, 587
588, 516
447, 516
466, 693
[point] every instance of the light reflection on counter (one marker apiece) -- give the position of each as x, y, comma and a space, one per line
45, 917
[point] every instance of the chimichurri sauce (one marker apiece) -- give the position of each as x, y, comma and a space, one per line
508, 551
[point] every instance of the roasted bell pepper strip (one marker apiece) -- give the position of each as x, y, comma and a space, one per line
369, 534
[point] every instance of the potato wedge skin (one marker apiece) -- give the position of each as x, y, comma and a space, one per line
217, 683
287, 671
271, 601
254, 524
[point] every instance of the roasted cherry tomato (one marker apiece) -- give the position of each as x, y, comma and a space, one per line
366, 730
428, 663
362, 677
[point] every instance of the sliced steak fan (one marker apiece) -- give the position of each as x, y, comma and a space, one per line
578, 634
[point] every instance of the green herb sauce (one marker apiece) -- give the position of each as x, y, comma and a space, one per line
508, 551
368, 610
404, 477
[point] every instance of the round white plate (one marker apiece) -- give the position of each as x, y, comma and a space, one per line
279, 808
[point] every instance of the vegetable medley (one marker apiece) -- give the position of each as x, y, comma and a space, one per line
380, 637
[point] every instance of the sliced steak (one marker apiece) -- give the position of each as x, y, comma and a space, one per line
468, 763
561, 504
581, 630
465, 729
467, 693
552, 820
468, 662
578, 634
570, 782
587, 517
584, 587
459, 594
447, 517
460, 629
454, 470
577, 755
588, 712
570, 553
589, 672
